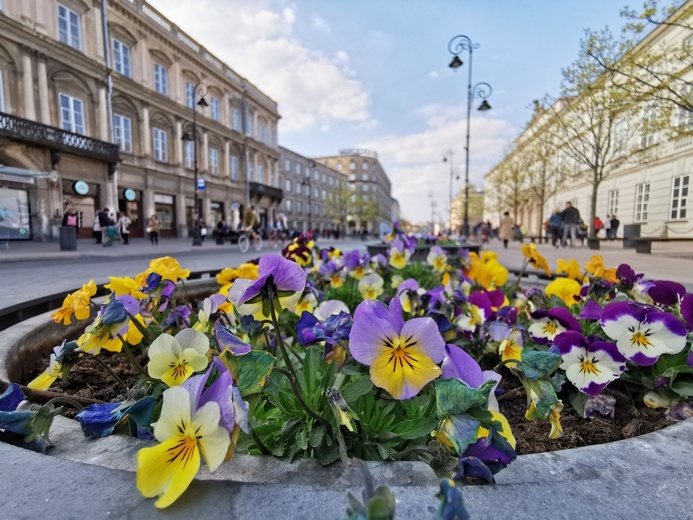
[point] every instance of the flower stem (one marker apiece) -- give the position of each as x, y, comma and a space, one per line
258, 441
294, 386
131, 356
519, 276
278, 335
111, 372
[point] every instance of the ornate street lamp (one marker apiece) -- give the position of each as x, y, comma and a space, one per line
449, 153
457, 46
190, 134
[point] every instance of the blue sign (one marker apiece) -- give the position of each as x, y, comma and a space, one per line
81, 188
130, 194
201, 183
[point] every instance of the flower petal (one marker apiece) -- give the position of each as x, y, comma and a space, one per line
370, 333
189, 338
403, 378
164, 343
424, 332
214, 440
176, 410
160, 364
460, 365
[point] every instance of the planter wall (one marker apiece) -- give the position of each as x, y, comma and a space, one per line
421, 252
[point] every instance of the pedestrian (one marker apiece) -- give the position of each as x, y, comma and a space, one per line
104, 222
571, 221
123, 226
153, 230
555, 224
505, 230
70, 219
614, 226
607, 227
97, 229
598, 226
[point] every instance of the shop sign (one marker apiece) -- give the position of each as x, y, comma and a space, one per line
80, 187
201, 183
129, 194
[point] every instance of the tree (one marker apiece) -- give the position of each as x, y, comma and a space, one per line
596, 124
513, 189
338, 208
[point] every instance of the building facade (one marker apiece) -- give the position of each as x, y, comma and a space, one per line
647, 184
74, 79
369, 198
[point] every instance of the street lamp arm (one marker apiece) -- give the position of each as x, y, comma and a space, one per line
461, 43
482, 90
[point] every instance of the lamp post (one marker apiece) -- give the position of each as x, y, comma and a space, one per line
310, 198
449, 153
457, 46
190, 134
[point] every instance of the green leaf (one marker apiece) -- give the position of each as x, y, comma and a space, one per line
460, 431
353, 370
578, 400
302, 439
316, 436
415, 428
384, 451
310, 369
454, 397
249, 371
356, 388
382, 505
537, 364
328, 454
683, 388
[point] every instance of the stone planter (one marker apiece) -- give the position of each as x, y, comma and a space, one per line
85, 478
421, 252
593, 243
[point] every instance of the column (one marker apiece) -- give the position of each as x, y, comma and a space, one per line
175, 90
44, 107
207, 211
144, 66
203, 160
226, 161
146, 135
178, 144
181, 214
103, 114
28, 86
148, 207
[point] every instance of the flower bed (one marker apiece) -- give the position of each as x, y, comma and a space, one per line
262, 367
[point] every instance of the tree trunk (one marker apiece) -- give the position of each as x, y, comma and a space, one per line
593, 210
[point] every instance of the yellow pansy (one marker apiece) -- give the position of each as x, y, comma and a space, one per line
306, 304
48, 376
175, 359
371, 286
125, 286
76, 304
168, 469
398, 259
566, 289
571, 268
536, 259
168, 268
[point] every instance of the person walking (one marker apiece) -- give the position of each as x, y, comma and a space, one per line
571, 221
614, 226
123, 226
607, 227
505, 230
598, 226
555, 224
153, 229
104, 222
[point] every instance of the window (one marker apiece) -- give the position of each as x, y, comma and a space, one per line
339, 167
642, 199
306, 190
233, 164
189, 94
189, 154
307, 208
298, 169
160, 144
308, 173
324, 194
364, 177
324, 178
121, 58
287, 205
375, 188
316, 193
364, 187
214, 161
352, 166
316, 175
364, 198
331, 183
299, 207
649, 116
69, 27
375, 168
250, 130
364, 166
261, 173
250, 171
71, 114
287, 184
679, 197
122, 126
612, 208
215, 109
263, 133
236, 119
352, 176
161, 80
298, 188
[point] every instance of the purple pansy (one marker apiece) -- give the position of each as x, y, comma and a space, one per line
589, 363
591, 311
334, 329
402, 356
479, 310
284, 275
687, 310
643, 332
549, 324
228, 340
666, 293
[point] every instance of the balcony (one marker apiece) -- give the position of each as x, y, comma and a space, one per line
26, 131
257, 189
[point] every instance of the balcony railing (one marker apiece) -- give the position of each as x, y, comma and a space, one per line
262, 189
24, 130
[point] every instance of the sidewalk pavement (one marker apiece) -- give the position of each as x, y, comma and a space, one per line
668, 261
138, 248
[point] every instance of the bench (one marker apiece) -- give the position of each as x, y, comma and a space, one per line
538, 239
644, 245
5, 244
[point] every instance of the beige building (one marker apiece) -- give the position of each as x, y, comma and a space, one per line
649, 174
370, 202
74, 79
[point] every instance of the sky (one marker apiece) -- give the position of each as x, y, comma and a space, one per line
374, 74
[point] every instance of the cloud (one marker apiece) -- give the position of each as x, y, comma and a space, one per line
257, 39
414, 162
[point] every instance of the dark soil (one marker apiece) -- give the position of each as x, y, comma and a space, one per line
632, 417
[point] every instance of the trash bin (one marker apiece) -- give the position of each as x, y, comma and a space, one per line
68, 238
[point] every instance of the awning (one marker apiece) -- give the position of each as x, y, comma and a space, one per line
22, 175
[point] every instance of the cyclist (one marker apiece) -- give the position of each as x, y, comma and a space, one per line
251, 224
279, 231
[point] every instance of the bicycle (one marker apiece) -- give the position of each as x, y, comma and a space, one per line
278, 236
244, 242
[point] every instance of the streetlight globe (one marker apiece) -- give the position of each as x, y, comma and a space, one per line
456, 63
202, 102
484, 106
